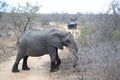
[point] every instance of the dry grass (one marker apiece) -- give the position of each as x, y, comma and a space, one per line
7, 47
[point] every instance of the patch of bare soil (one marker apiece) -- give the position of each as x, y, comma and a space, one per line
38, 71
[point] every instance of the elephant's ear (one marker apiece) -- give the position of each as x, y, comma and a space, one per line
54, 40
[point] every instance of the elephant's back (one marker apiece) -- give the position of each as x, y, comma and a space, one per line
37, 33
34, 37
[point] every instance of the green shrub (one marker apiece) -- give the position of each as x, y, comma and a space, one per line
86, 31
116, 34
82, 40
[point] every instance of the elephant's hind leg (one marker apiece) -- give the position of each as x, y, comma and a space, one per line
20, 55
24, 66
18, 58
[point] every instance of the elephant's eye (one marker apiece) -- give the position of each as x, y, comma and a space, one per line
67, 41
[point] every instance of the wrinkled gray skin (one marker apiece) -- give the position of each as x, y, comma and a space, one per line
40, 42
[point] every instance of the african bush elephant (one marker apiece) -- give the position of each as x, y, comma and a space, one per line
39, 42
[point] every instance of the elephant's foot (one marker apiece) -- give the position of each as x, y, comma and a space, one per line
57, 67
54, 67
15, 68
54, 70
74, 65
25, 68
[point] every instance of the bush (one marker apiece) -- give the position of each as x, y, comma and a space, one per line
116, 34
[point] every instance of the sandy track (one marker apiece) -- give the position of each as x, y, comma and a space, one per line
40, 67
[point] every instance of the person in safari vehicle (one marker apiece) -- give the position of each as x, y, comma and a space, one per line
72, 24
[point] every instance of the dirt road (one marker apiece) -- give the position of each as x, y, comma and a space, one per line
39, 69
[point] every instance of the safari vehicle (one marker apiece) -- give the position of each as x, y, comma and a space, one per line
72, 25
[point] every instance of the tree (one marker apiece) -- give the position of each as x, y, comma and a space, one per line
22, 17
114, 9
3, 5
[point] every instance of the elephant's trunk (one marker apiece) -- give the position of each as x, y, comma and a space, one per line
75, 54
74, 49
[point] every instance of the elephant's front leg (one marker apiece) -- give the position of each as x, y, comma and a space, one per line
57, 59
53, 64
52, 52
